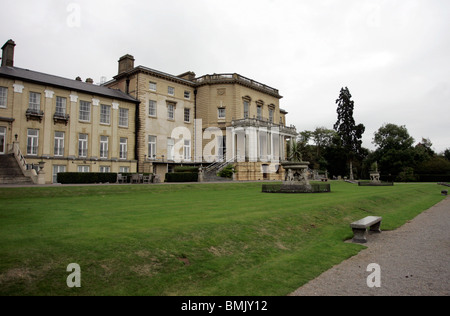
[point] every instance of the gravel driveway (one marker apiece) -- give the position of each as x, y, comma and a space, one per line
413, 259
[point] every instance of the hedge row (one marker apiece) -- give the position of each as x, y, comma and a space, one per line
186, 169
182, 177
86, 177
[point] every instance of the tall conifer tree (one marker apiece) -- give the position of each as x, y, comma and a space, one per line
349, 133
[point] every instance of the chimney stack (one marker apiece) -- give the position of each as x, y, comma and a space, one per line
90, 80
8, 54
126, 63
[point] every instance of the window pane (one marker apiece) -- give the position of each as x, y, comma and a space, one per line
221, 113
187, 115
151, 147
61, 106
246, 108
32, 141
123, 148
105, 114
123, 117
170, 112
170, 148
82, 145
152, 108
3, 97
59, 144
85, 111
35, 102
103, 146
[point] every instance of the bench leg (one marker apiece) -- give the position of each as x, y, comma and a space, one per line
359, 235
376, 228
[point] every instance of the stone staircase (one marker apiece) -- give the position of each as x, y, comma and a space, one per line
210, 173
10, 171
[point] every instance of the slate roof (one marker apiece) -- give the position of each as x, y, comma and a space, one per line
60, 82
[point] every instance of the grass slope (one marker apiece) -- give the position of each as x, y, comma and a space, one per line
191, 239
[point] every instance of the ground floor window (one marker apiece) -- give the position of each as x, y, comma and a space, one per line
57, 169
124, 169
84, 169
32, 142
187, 149
105, 169
123, 148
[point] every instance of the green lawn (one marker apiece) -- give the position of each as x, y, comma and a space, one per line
191, 239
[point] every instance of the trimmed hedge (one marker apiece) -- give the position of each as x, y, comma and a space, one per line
86, 177
182, 177
185, 169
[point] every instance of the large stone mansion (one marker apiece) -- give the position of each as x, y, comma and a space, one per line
143, 120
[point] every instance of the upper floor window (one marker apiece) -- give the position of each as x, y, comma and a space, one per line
152, 108
123, 117
3, 97
187, 95
259, 112
271, 115
105, 114
170, 90
85, 111
187, 115
170, 111
221, 113
34, 102
246, 109
61, 104
152, 86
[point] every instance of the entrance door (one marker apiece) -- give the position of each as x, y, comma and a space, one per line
2, 140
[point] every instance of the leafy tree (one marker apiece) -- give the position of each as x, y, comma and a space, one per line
346, 128
391, 136
395, 153
322, 138
447, 154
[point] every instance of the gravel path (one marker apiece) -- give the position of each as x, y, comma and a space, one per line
413, 259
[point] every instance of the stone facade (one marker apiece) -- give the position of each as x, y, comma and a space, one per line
166, 116
51, 117
253, 125
230, 118
170, 120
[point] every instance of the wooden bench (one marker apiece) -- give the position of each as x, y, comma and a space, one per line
360, 228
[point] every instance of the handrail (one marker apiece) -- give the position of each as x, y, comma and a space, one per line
218, 165
23, 163
19, 156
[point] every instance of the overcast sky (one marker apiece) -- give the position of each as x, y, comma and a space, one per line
393, 55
